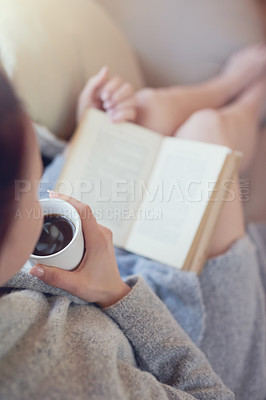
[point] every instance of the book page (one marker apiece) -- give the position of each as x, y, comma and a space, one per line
180, 187
106, 165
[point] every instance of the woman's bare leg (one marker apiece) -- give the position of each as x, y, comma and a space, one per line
235, 126
164, 110
241, 70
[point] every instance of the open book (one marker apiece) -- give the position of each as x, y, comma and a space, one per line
160, 196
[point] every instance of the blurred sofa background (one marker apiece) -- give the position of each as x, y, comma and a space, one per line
49, 48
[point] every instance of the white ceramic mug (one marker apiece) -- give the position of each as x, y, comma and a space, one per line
70, 256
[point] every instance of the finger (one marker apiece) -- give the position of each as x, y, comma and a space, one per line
124, 92
100, 78
55, 277
128, 114
90, 96
95, 83
110, 87
128, 103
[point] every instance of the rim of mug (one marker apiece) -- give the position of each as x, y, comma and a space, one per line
33, 256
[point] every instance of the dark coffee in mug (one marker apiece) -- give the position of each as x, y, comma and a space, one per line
57, 233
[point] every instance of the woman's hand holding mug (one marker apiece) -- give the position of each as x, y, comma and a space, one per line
97, 279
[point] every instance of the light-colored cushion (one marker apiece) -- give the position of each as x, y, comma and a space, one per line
50, 47
186, 41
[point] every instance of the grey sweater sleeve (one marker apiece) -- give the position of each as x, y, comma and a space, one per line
170, 365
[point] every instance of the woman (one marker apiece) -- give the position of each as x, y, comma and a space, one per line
223, 311
63, 339
56, 346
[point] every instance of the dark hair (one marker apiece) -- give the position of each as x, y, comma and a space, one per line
12, 152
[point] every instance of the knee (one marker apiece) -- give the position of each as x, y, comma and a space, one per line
206, 125
207, 120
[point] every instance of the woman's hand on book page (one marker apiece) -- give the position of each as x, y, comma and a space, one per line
119, 100
97, 279
112, 95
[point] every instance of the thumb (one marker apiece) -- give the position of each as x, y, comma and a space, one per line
54, 276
